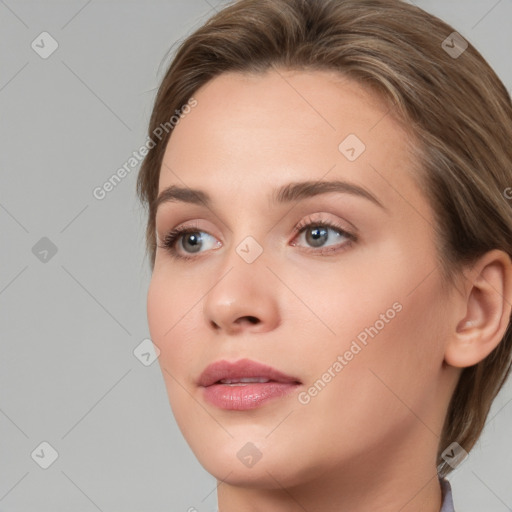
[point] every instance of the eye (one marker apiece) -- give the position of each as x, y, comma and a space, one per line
191, 240
316, 233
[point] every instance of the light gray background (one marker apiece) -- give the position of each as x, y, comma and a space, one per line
68, 374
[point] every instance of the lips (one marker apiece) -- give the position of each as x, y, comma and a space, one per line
242, 371
244, 385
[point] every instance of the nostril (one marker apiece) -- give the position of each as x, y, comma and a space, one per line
251, 319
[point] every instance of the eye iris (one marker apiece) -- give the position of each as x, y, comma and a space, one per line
319, 236
195, 239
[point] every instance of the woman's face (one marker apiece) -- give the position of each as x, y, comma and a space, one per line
350, 308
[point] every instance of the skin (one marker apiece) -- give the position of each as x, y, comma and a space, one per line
368, 440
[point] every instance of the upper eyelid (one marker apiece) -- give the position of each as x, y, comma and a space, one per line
351, 227
303, 222
336, 224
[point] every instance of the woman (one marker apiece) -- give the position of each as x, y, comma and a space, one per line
330, 236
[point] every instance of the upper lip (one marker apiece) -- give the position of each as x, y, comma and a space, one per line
242, 368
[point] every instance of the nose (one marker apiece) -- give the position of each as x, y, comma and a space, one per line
231, 322
243, 299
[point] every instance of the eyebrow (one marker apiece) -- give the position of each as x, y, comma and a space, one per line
291, 192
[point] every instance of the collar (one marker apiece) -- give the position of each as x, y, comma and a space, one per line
447, 496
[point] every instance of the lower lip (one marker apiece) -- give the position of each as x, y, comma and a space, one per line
246, 396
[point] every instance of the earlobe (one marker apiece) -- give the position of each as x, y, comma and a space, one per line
487, 307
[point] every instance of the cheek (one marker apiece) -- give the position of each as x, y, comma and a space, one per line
169, 304
390, 331
168, 314
394, 373
167, 319
159, 315
402, 362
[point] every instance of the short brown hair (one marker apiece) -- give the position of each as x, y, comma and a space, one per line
456, 109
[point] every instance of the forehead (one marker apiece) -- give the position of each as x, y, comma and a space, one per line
256, 132
292, 110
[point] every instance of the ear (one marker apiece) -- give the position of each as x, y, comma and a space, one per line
486, 305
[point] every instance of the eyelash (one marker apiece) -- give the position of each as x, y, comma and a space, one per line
172, 237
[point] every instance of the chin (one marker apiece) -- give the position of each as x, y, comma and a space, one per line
244, 464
